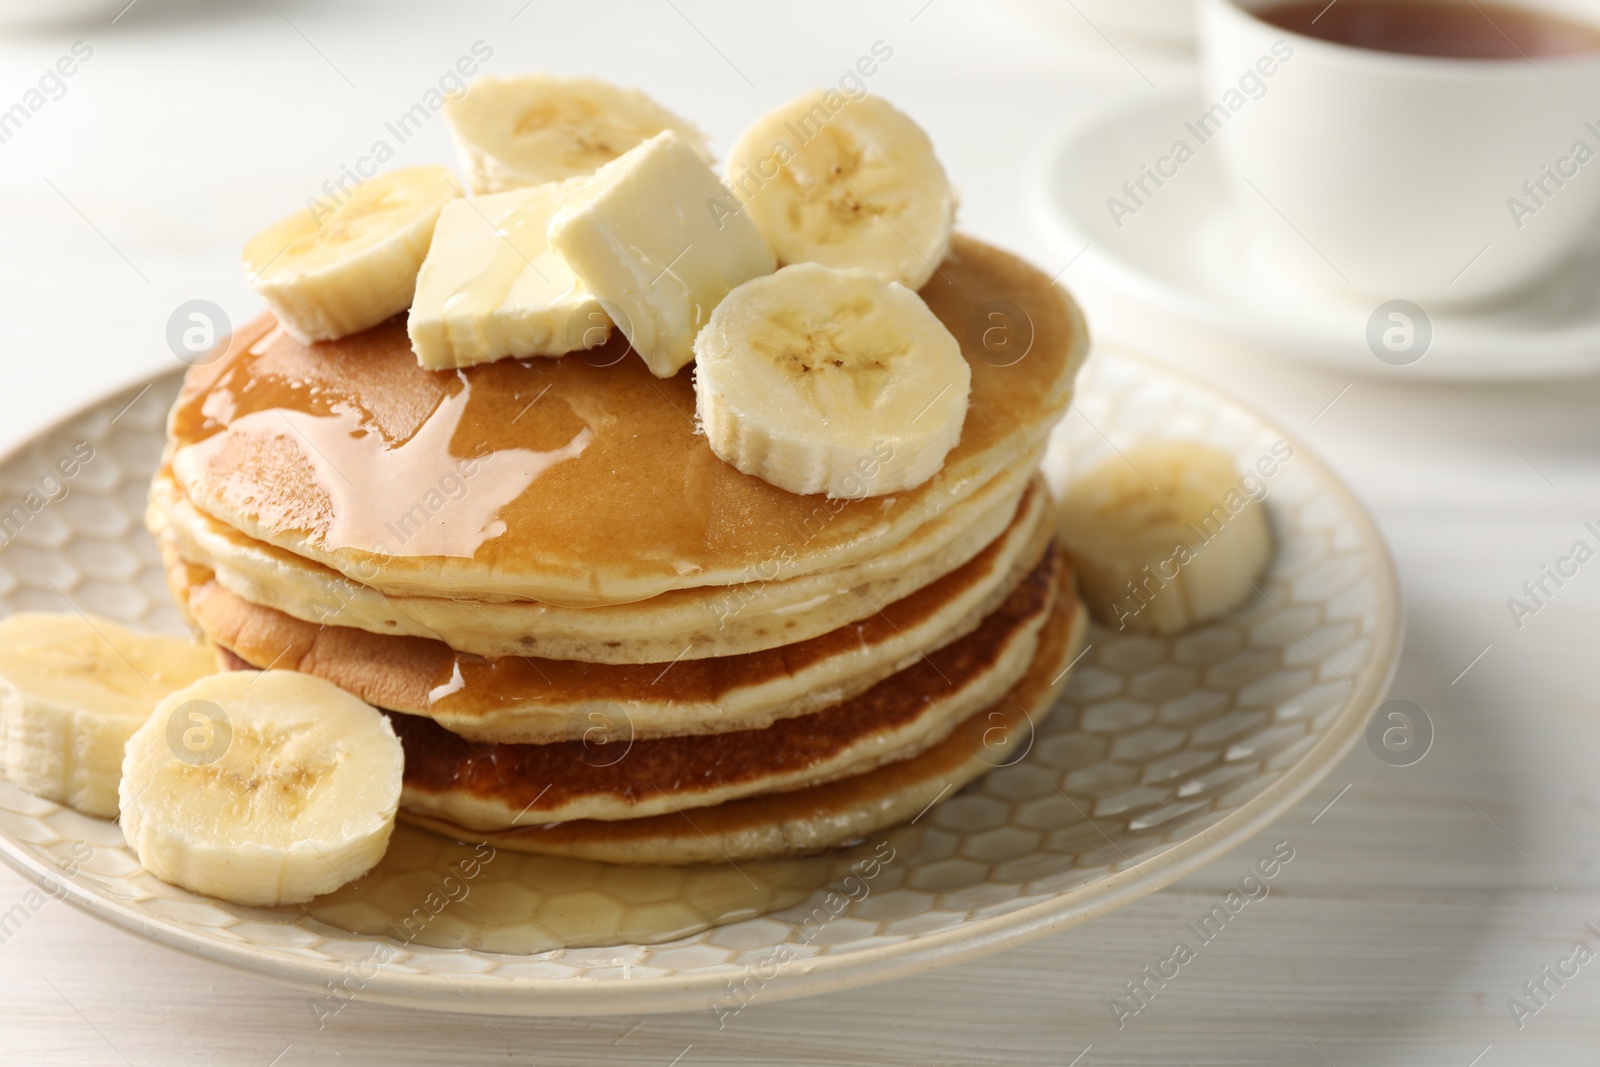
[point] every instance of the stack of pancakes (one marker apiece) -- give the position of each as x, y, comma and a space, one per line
594, 637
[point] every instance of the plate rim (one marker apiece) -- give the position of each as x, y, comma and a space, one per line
529, 996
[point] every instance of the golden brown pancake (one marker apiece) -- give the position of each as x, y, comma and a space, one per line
683, 624
824, 816
494, 787
574, 480
521, 699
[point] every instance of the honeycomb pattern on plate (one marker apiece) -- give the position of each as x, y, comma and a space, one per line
1163, 752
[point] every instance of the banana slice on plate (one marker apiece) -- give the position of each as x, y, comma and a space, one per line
537, 128
261, 787
329, 273
72, 691
1166, 535
845, 183
830, 381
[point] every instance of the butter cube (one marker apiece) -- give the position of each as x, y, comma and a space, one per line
659, 239
492, 288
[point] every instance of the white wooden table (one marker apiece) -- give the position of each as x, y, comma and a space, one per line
1416, 905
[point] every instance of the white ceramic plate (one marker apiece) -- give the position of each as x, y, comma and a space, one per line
1163, 755
1189, 272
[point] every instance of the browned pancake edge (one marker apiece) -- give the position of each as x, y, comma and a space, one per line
528, 699
831, 815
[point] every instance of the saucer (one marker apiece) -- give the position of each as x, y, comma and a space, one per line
1187, 270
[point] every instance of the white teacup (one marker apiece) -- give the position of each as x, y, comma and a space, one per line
1405, 176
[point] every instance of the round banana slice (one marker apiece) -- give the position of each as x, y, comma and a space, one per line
846, 183
261, 787
336, 269
537, 128
1166, 536
830, 381
72, 691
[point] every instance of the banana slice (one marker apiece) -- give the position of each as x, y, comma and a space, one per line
656, 237
72, 691
1166, 536
329, 273
830, 381
491, 287
261, 788
845, 183
537, 128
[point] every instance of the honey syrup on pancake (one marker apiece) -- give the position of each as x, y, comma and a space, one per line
429, 890
591, 483
388, 477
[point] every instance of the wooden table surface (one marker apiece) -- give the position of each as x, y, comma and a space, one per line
1418, 903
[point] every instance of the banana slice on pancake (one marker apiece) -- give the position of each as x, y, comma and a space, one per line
261, 787
330, 273
1167, 535
537, 128
72, 691
830, 381
846, 183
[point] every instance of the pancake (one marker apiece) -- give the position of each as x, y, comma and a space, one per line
681, 624
520, 699
496, 787
825, 816
579, 480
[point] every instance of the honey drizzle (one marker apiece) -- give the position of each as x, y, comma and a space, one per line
432, 891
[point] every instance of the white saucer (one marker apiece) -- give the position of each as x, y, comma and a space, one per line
1191, 272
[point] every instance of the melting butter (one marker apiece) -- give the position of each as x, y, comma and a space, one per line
491, 288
